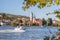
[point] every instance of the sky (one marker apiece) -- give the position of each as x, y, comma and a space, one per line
15, 7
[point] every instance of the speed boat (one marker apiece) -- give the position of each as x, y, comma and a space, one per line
17, 29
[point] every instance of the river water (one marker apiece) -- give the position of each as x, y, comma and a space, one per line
31, 33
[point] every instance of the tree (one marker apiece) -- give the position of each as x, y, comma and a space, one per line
46, 38
20, 21
44, 22
57, 12
49, 21
41, 3
4, 15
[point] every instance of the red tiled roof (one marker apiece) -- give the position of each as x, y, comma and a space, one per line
38, 20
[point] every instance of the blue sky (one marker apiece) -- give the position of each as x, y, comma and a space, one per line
15, 7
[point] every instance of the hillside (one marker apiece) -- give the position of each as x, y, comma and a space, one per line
12, 15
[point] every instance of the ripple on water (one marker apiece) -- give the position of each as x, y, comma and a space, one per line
30, 34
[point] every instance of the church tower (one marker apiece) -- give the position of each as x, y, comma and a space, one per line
31, 16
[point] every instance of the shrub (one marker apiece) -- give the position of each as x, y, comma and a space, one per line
46, 38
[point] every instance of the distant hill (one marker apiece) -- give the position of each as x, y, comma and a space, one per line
14, 16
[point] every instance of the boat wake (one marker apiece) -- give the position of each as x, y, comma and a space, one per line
15, 30
12, 31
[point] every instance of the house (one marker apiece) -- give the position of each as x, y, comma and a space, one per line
56, 23
39, 21
24, 21
1, 23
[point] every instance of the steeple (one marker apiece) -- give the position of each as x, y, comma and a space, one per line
31, 16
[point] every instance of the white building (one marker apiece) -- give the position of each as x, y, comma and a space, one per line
31, 16
34, 19
1, 23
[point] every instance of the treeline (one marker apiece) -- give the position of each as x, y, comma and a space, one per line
50, 22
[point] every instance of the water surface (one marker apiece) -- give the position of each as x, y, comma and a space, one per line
31, 33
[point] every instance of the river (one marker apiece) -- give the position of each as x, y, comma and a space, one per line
31, 33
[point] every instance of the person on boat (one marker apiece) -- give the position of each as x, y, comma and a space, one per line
19, 26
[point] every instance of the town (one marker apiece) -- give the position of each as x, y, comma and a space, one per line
14, 20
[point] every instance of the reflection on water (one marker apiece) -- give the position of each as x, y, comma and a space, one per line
29, 34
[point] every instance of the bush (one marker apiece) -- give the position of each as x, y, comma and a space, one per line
46, 38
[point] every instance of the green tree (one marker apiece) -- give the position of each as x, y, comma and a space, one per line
20, 21
42, 3
46, 38
57, 13
4, 15
44, 22
49, 21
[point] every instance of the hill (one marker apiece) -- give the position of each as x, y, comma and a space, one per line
6, 15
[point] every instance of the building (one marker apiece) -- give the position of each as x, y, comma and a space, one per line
39, 22
1, 23
23, 21
31, 17
56, 23
33, 20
